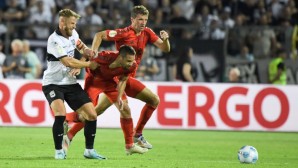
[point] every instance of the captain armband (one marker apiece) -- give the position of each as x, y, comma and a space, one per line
81, 46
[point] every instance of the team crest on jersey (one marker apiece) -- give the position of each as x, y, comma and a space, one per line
52, 94
112, 33
73, 42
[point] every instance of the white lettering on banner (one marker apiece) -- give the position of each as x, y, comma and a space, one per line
182, 106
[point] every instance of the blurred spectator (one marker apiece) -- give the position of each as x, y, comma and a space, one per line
48, 6
116, 18
184, 70
187, 8
81, 5
260, 9
2, 58
215, 32
246, 55
262, 39
15, 65
33, 61
177, 18
247, 8
14, 12
102, 8
236, 36
92, 20
148, 67
277, 69
234, 75
3, 27
40, 18
205, 17
215, 6
226, 21
163, 12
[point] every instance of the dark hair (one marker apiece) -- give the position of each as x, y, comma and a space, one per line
280, 51
126, 49
142, 10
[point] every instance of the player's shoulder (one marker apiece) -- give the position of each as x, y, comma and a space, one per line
53, 40
148, 30
108, 53
124, 30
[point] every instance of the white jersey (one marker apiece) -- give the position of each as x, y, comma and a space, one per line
57, 48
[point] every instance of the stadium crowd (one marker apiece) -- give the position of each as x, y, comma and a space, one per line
253, 29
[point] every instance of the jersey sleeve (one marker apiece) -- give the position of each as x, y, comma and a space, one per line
152, 36
115, 35
55, 47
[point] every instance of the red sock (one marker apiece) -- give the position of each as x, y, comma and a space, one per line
144, 117
72, 117
127, 128
75, 129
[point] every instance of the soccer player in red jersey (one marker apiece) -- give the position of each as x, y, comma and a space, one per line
136, 35
101, 80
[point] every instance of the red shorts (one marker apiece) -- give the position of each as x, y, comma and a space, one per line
94, 87
133, 87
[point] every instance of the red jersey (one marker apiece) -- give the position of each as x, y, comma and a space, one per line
128, 36
104, 75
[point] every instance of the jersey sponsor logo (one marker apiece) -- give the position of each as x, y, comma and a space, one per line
52, 94
112, 33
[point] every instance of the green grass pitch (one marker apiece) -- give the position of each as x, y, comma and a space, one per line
33, 147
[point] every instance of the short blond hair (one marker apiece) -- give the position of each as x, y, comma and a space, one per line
68, 13
17, 42
235, 70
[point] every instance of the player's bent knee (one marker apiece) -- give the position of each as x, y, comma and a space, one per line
155, 101
125, 113
91, 117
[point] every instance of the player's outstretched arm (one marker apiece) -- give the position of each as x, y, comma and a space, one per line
99, 36
163, 42
74, 63
121, 87
84, 50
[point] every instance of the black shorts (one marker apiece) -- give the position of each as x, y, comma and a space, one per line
73, 94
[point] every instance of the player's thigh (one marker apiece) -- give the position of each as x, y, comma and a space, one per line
87, 111
146, 95
92, 89
139, 91
58, 107
103, 103
79, 101
133, 87
55, 97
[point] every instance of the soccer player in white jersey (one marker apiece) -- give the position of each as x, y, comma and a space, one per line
59, 82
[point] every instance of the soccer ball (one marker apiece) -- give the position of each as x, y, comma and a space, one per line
248, 154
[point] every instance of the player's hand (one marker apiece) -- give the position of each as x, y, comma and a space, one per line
88, 53
93, 65
74, 72
13, 65
120, 103
164, 35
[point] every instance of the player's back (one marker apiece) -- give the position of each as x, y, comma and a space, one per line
104, 72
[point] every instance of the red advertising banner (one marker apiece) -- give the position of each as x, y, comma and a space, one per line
202, 106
